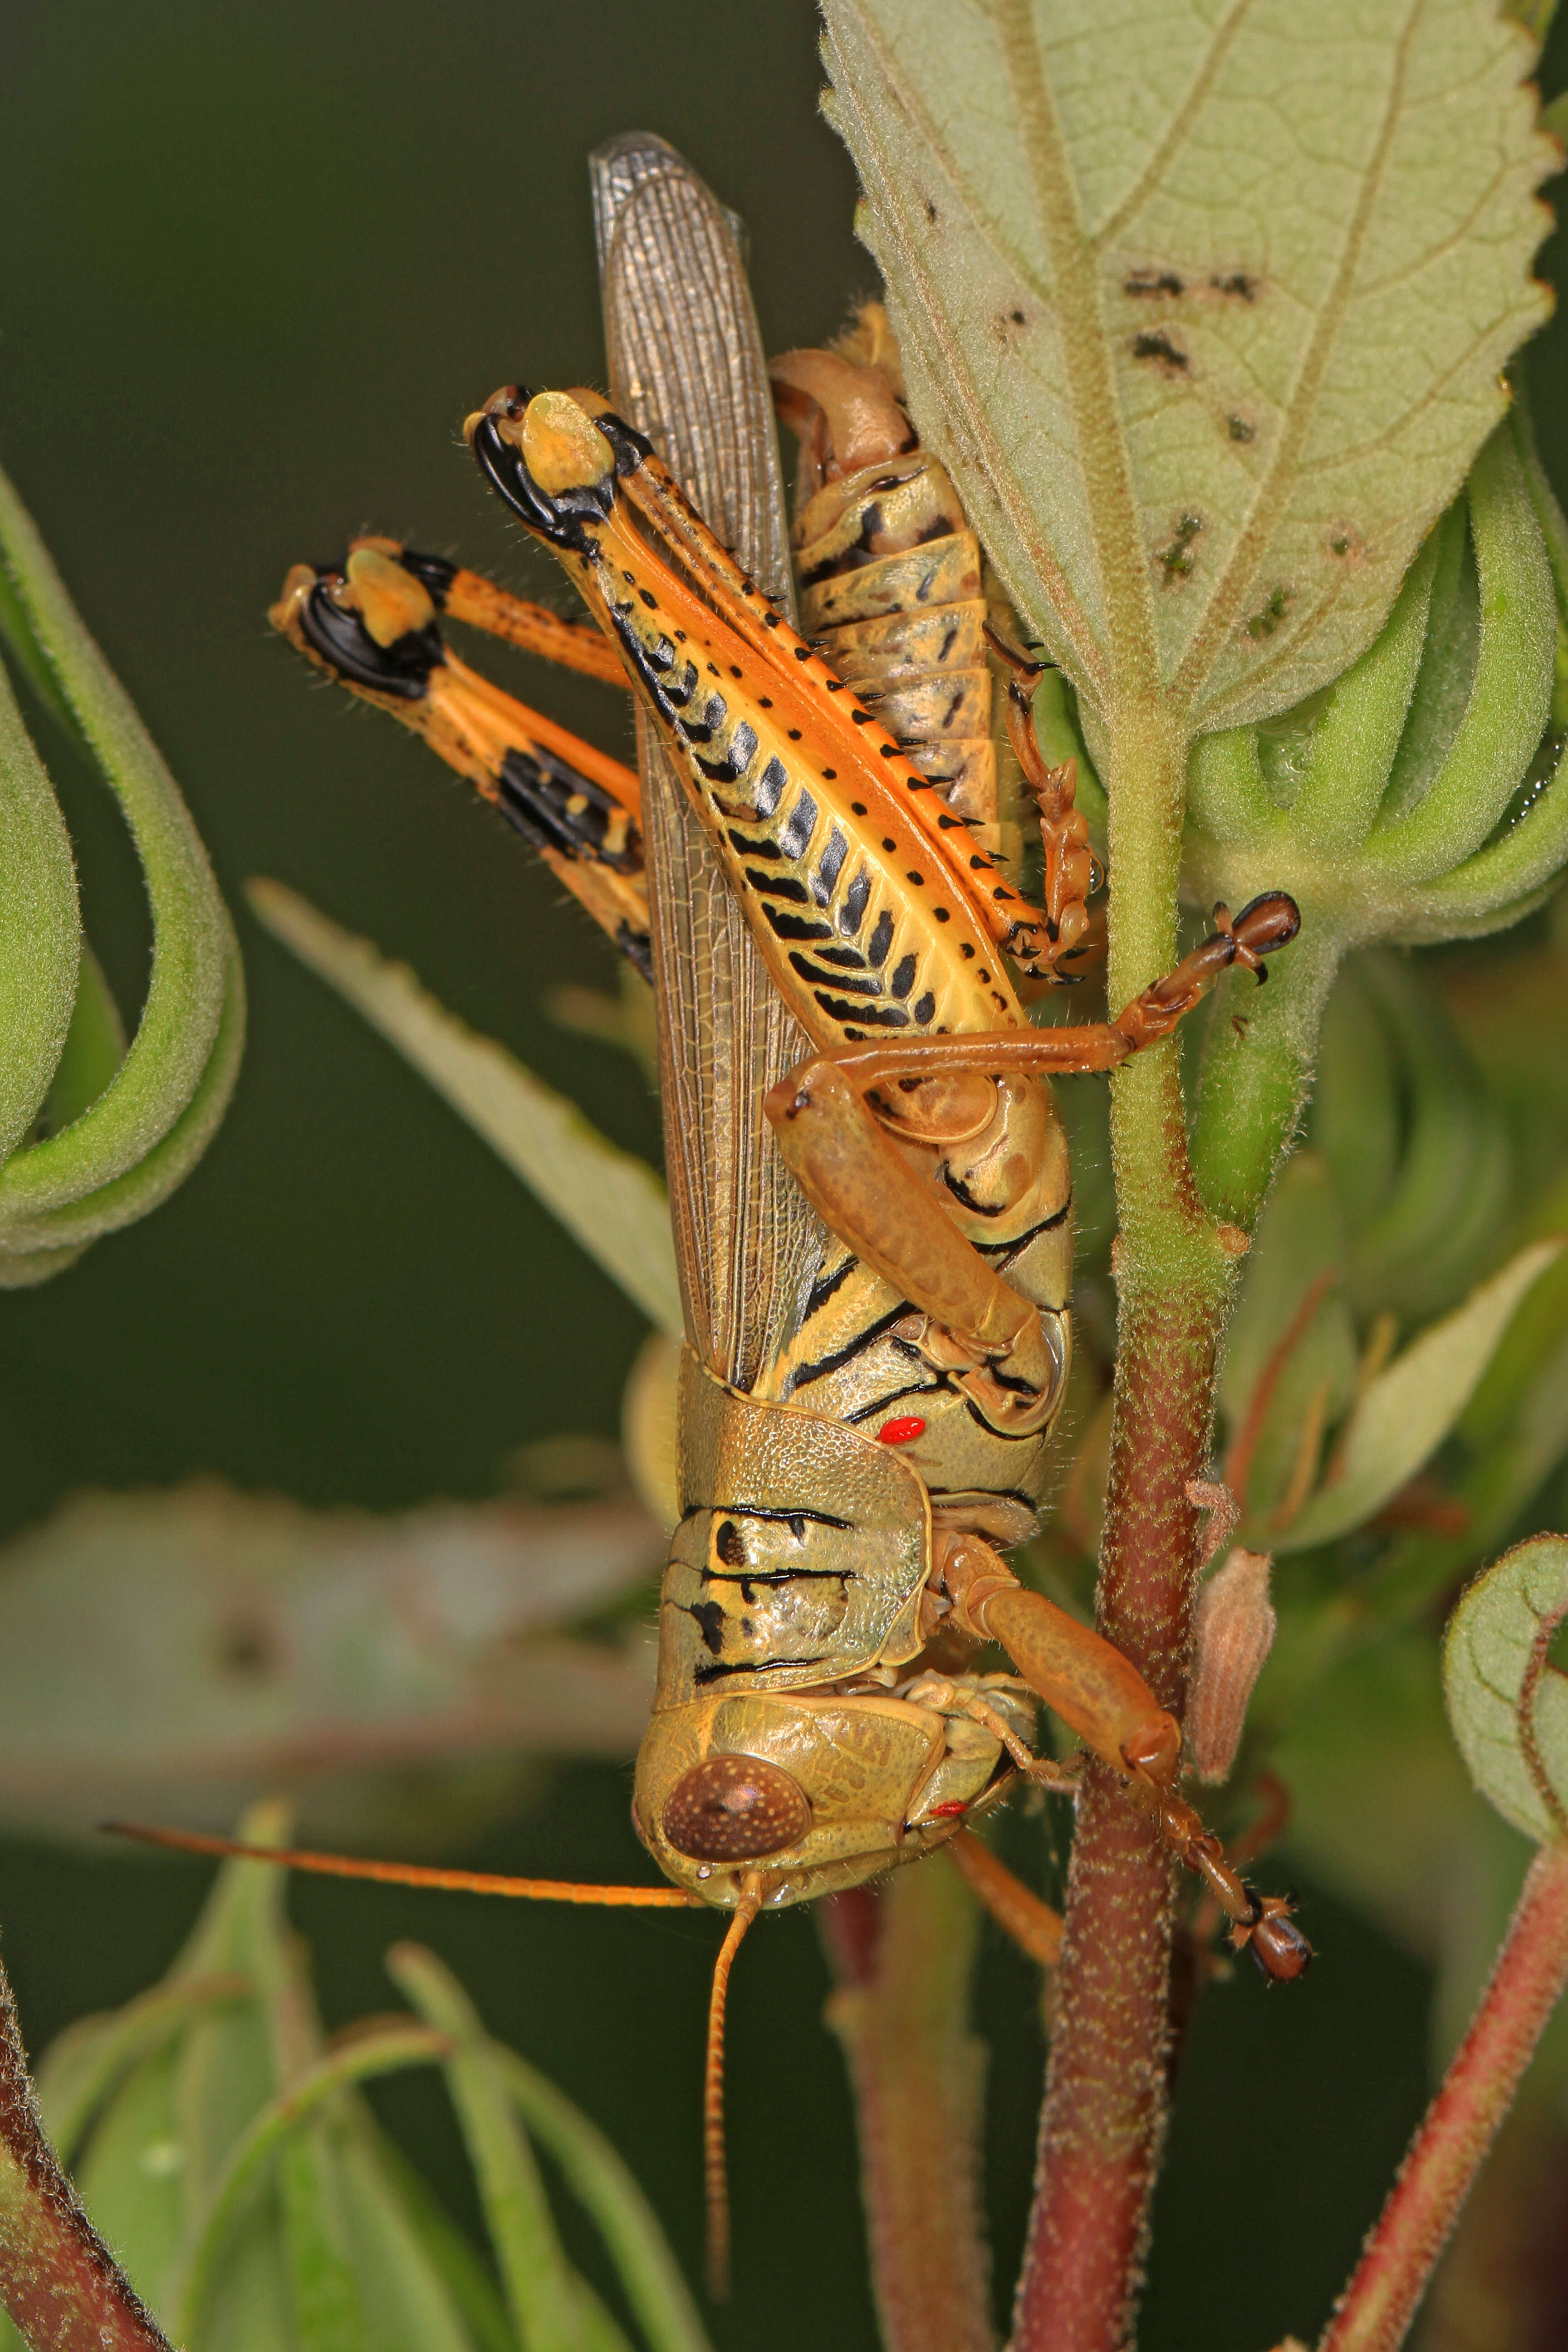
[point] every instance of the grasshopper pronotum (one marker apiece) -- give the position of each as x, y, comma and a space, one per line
868, 1392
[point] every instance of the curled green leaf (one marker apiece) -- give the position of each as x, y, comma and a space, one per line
36, 1246
94, 1048
610, 1201
1412, 801
192, 988
40, 929
1508, 1704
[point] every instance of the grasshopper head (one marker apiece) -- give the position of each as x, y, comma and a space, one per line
816, 1792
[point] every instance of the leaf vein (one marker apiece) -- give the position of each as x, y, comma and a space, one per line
1240, 569
1181, 124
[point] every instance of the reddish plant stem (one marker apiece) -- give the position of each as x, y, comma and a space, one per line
903, 1954
59, 2280
1105, 2107
1378, 2306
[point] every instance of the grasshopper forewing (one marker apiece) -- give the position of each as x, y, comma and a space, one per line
868, 1172
687, 369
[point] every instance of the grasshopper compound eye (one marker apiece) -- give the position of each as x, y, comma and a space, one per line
735, 1808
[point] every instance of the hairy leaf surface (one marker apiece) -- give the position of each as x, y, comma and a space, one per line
1507, 1703
1203, 300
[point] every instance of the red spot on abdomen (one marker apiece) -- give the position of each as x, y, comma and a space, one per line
949, 1811
899, 1432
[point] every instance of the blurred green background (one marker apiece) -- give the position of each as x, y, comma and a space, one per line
257, 262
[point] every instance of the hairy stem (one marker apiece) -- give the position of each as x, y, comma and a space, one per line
59, 2280
1526, 1984
1105, 2093
903, 1955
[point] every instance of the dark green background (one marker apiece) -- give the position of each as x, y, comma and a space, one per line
256, 263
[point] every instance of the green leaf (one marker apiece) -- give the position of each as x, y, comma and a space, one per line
1509, 696
40, 928
194, 984
649, 2273
227, 2068
329, 2312
85, 2063
443, 1618
1508, 1704
543, 2295
323, 2291
1261, 285
94, 1048
131, 2175
104, 1206
465, 2281
609, 1201
386, 2052
1407, 1412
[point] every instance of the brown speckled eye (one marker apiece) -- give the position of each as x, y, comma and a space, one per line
735, 1809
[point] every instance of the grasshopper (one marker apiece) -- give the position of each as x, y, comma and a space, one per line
870, 1179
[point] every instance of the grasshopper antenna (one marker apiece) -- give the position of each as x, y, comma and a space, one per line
715, 2175
407, 1873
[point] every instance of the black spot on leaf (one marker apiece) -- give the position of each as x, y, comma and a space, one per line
1264, 623
1176, 560
1162, 352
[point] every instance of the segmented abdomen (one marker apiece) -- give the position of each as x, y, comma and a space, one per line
892, 586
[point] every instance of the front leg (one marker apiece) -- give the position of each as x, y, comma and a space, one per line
1269, 922
1104, 1698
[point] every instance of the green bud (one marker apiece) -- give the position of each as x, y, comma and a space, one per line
1411, 800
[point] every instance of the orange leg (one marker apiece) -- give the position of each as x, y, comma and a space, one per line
1073, 871
466, 596
1101, 1695
1269, 922
1032, 1925
372, 627
845, 1161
